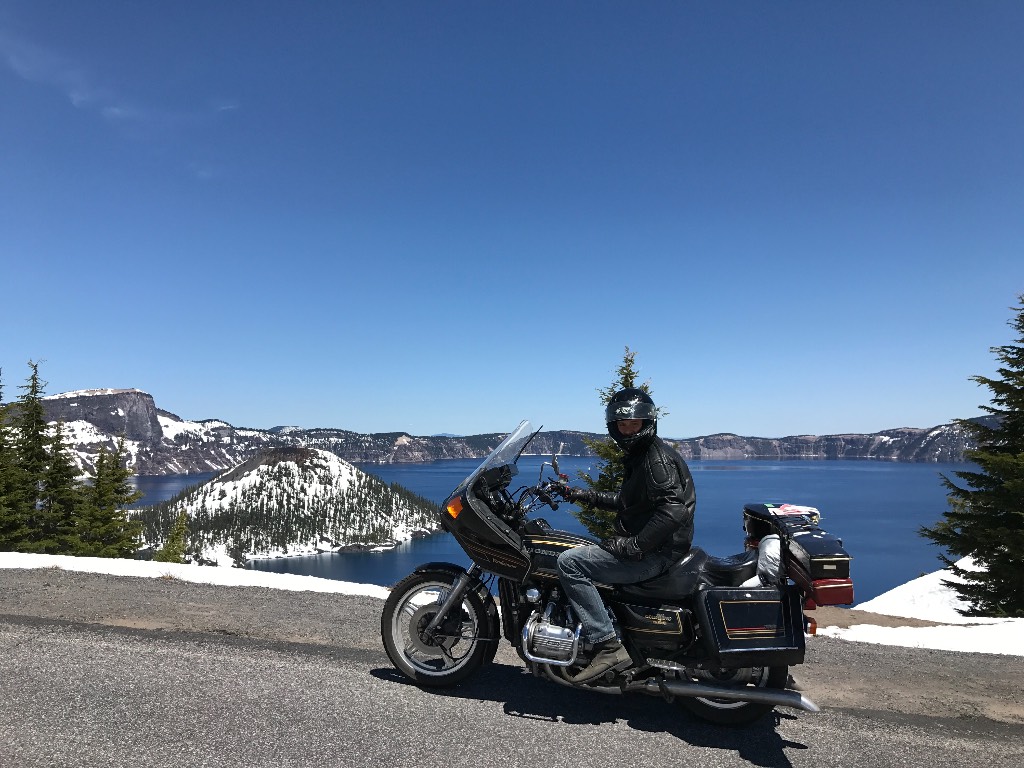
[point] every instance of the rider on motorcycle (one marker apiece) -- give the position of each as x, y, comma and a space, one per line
655, 507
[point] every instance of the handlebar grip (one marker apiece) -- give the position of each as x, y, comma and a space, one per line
543, 496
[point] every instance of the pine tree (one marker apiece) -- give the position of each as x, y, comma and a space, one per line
173, 550
13, 530
610, 468
60, 500
986, 516
103, 528
31, 456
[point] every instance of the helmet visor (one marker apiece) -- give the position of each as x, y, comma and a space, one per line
629, 409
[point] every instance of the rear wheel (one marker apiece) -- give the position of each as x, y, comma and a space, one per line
463, 642
729, 712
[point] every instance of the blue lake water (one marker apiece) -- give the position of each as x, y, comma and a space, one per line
875, 507
157, 488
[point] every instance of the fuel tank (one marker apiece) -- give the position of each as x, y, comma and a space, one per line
544, 545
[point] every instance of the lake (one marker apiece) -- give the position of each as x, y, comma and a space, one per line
876, 508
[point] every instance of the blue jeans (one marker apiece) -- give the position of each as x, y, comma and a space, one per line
580, 567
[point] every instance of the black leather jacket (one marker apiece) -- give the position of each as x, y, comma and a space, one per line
656, 500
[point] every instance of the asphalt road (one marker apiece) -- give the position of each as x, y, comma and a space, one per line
79, 691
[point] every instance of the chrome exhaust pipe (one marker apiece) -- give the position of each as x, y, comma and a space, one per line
774, 696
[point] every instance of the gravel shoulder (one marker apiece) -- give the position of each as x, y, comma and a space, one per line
837, 673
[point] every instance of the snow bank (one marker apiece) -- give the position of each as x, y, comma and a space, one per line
926, 597
922, 598
232, 577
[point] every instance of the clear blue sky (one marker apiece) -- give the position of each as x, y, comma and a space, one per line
805, 217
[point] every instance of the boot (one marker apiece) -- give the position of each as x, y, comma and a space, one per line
610, 656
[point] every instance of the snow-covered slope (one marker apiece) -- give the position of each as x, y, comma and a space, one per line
291, 501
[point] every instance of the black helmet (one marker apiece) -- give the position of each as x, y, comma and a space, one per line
631, 403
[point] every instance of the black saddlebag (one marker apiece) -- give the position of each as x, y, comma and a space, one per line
758, 627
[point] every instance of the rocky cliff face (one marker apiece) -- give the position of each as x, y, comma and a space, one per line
945, 443
398, 447
159, 442
128, 412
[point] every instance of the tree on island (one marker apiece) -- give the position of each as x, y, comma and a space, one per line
610, 467
985, 520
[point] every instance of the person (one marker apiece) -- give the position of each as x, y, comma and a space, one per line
654, 525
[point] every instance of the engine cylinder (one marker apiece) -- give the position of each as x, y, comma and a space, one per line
549, 643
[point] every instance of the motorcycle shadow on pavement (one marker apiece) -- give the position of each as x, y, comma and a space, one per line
523, 695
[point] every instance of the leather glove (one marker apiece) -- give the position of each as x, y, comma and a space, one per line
573, 494
559, 489
624, 547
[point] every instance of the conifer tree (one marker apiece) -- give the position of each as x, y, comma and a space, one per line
60, 501
985, 520
31, 455
173, 550
103, 528
13, 530
610, 469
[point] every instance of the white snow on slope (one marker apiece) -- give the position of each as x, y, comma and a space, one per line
926, 597
919, 598
231, 577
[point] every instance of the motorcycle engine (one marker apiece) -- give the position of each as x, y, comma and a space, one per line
548, 639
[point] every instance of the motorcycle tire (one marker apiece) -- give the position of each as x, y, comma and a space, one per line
468, 638
725, 712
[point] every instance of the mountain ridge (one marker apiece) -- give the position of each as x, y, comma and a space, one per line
159, 442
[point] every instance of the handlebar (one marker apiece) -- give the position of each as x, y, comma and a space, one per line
542, 494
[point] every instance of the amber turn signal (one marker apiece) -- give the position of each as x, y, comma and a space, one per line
454, 507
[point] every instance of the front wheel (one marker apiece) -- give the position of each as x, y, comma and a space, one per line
463, 642
725, 711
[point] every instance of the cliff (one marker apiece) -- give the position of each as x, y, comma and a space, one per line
159, 442
945, 443
128, 412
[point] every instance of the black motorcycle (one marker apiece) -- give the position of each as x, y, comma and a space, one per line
716, 635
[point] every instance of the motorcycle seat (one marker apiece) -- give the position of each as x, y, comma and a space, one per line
677, 582
730, 571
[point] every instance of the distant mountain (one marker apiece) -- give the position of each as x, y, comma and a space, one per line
945, 443
160, 442
290, 501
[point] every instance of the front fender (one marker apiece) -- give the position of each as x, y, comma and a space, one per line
452, 568
490, 607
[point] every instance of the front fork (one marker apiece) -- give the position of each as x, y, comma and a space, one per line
458, 591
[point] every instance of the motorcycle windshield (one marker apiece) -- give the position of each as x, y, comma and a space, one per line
507, 453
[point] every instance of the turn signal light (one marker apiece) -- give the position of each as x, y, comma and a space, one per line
454, 507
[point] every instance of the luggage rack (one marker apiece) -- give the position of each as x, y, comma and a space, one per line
815, 559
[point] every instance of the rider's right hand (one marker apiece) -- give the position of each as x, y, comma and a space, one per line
560, 489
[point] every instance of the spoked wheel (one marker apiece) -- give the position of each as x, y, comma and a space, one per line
729, 712
463, 642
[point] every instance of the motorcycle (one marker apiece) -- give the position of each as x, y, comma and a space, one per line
715, 635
